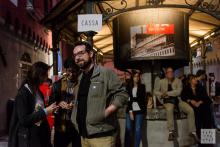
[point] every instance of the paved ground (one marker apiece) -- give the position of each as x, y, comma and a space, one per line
4, 143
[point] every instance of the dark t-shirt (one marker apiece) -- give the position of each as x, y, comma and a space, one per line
171, 99
82, 102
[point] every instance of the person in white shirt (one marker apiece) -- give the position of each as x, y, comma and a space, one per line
136, 109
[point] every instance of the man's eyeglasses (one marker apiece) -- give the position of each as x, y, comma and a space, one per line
80, 54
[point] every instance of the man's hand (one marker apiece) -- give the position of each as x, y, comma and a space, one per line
164, 95
131, 115
50, 109
110, 110
195, 103
199, 103
70, 106
63, 105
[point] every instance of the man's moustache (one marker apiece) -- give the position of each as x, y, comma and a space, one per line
79, 60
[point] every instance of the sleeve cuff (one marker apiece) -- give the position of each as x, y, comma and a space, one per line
45, 111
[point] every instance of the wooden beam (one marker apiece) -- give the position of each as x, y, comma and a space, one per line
202, 21
195, 36
107, 45
100, 39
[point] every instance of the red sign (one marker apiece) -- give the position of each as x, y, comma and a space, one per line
160, 29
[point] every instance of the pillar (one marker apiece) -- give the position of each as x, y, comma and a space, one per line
190, 60
90, 34
203, 56
55, 42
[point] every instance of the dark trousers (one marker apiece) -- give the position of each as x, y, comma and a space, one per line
63, 139
203, 118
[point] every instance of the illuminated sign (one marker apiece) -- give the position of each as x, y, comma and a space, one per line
160, 29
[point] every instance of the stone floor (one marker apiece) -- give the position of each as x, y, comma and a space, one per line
151, 135
3, 141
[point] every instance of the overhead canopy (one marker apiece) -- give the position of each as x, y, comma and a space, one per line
204, 17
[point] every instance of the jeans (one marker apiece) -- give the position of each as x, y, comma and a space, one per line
138, 121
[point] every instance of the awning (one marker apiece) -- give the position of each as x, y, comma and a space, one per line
203, 21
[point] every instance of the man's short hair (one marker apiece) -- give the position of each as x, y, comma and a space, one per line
87, 45
211, 74
169, 67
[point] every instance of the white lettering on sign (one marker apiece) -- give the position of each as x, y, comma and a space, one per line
89, 22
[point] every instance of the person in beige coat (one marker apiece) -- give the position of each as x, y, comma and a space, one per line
169, 90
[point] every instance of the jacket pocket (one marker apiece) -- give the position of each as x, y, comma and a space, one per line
98, 118
23, 137
96, 89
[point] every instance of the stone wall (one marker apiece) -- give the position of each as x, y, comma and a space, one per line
212, 59
13, 48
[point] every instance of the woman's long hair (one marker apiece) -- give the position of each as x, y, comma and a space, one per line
189, 79
37, 74
131, 81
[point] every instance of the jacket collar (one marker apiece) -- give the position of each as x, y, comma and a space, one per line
96, 72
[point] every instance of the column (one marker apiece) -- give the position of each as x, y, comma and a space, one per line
203, 56
55, 42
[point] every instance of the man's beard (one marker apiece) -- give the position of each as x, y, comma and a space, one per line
84, 64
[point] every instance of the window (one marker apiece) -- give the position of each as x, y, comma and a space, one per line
15, 2
25, 64
30, 5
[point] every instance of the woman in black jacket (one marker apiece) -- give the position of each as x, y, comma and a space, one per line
29, 126
198, 98
136, 109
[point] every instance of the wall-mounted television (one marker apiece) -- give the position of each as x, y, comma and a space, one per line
151, 35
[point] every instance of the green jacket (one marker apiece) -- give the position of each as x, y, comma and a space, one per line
105, 89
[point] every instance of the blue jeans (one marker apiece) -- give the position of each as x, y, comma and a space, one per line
138, 121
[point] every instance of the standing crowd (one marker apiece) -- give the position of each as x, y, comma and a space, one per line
85, 101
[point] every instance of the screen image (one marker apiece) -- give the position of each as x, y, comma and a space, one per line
152, 40
151, 35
